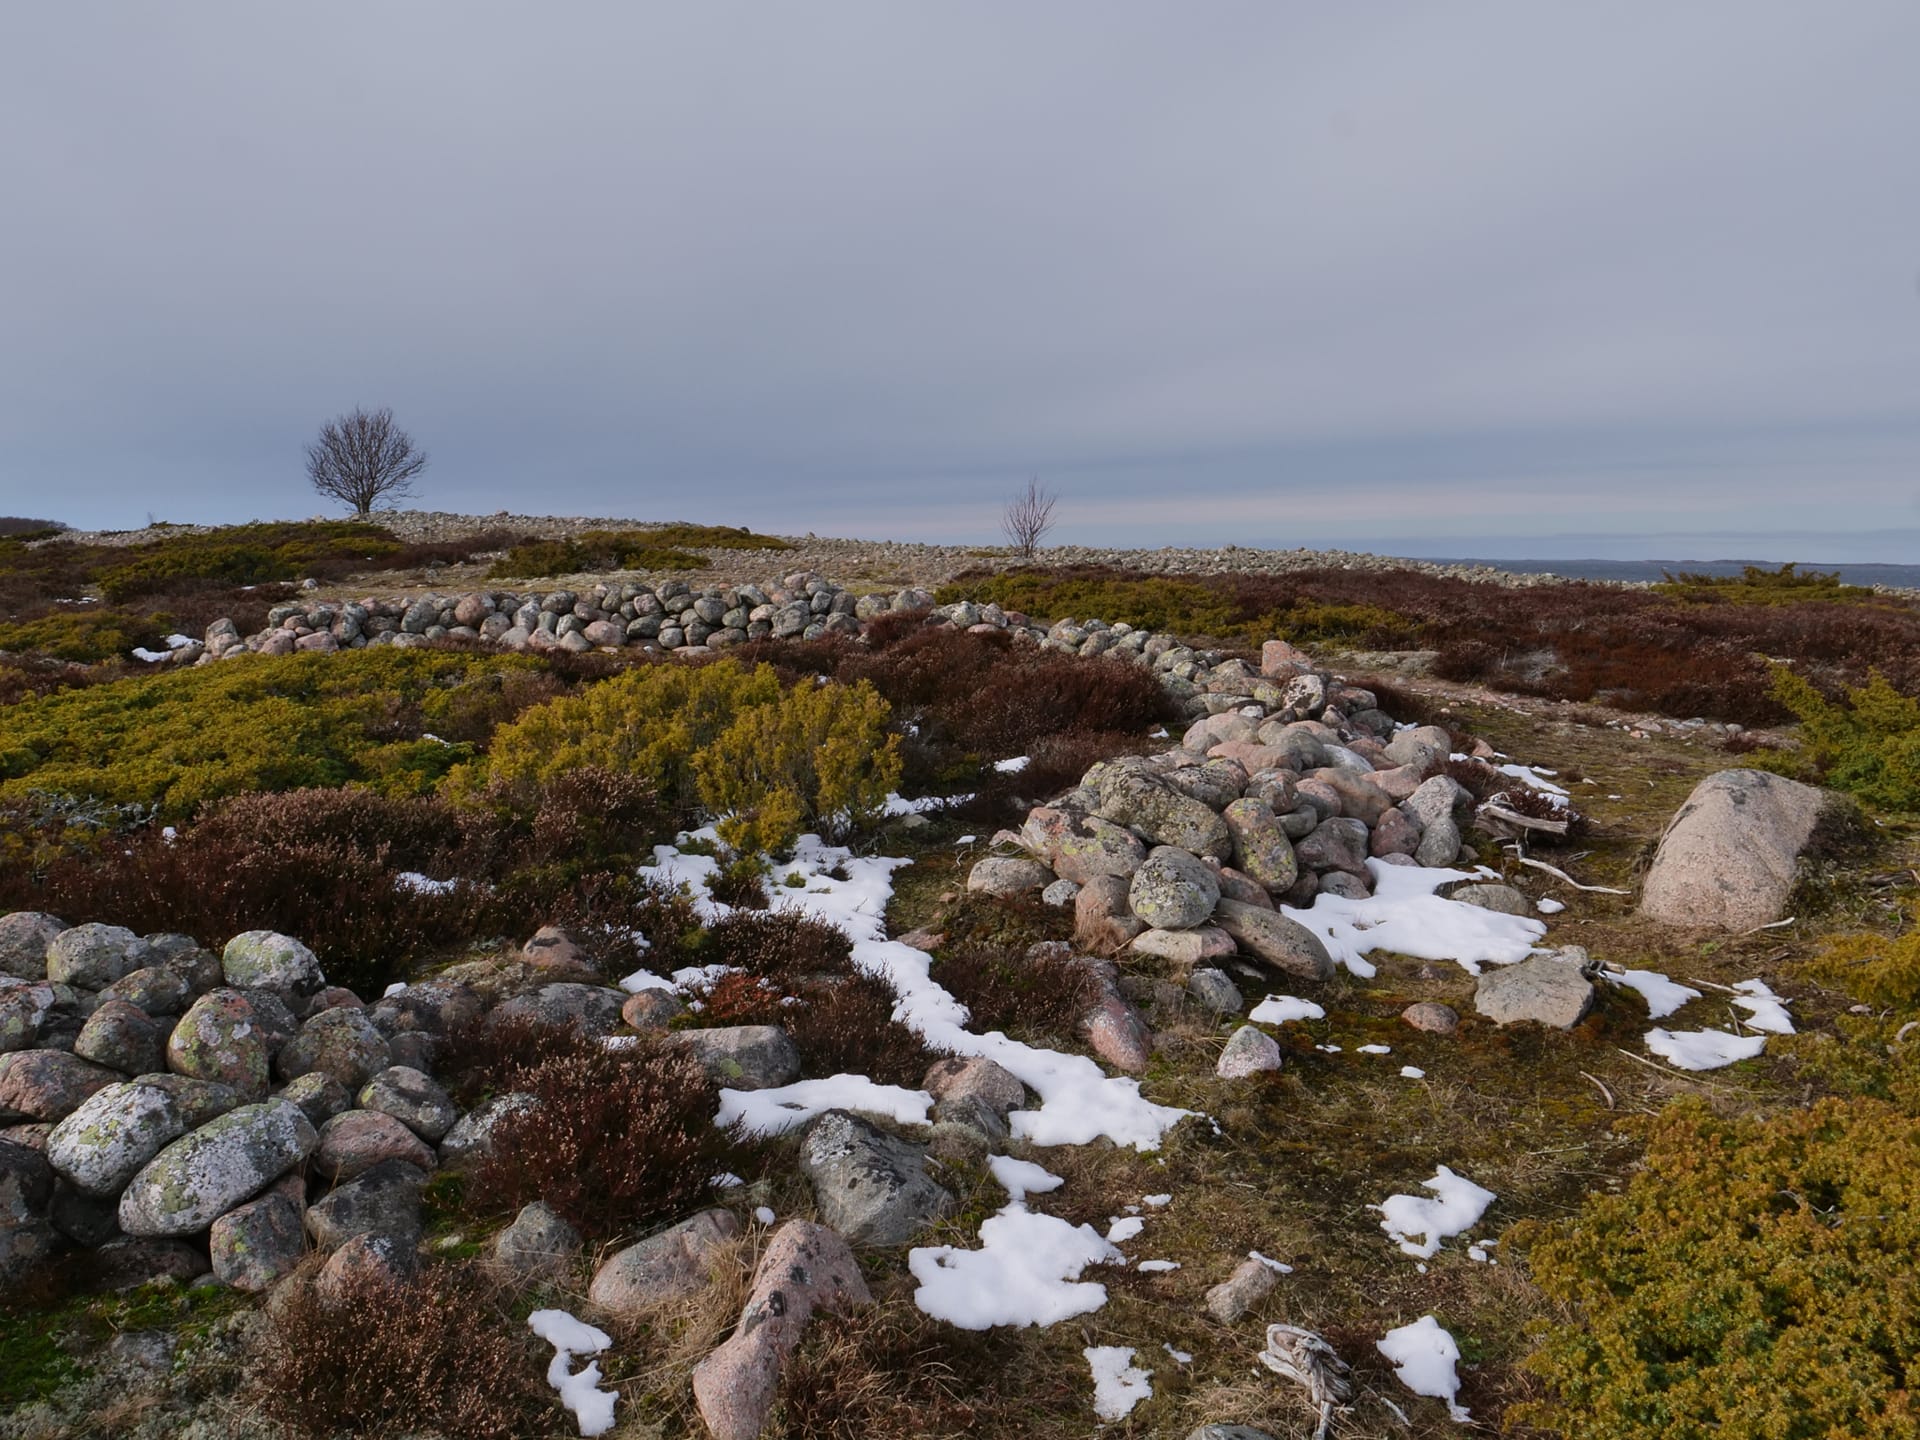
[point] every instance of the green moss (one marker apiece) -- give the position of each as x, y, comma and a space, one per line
32, 1364
179, 740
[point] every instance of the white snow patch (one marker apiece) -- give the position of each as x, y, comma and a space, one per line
1118, 1384
1423, 1357
1279, 1009
1663, 996
1013, 766
579, 1390
645, 980
764, 1214
1026, 1272
1412, 1072
1765, 1010
1021, 1178
1079, 1102
1703, 1049
1124, 1229
1180, 1357
1547, 905
1534, 777
1404, 916
1458, 1207
1156, 1202
418, 884
1156, 1267
1376, 1049
1278, 1267
896, 805
787, 1107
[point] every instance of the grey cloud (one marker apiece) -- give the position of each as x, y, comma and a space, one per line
1250, 270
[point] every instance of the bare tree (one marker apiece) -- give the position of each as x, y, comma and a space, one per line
1028, 517
362, 457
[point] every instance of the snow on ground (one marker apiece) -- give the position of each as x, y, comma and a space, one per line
1155, 1267
1423, 1357
1180, 1357
1547, 905
1124, 1228
1276, 1266
1403, 915
764, 1214
1412, 1072
1013, 766
897, 805
1279, 1009
419, 884
787, 1107
1703, 1049
579, 1390
1021, 1178
1376, 1050
1765, 1010
1079, 1102
1457, 1208
1156, 1202
1663, 996
1026, 1272
1118, 1384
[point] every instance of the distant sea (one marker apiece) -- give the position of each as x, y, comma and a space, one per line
1905, 576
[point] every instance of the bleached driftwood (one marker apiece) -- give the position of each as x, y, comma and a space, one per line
1308, 1360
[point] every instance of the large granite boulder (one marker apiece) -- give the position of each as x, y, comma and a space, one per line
1731, 854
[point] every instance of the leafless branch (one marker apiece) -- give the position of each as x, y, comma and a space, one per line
362, 457
1028, 517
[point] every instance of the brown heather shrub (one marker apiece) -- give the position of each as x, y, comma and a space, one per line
1537, 805
619, 1138
778, 945
1044, 994
1629, 648
386, 1357
839, 1026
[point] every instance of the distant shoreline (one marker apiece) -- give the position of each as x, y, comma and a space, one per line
1903, 577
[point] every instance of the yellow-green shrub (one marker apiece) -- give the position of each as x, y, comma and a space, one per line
721, 736
818, 756
1757, 1278
84, 636
179, 739
648, 721
1869, 747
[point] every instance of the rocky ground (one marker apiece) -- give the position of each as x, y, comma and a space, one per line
1317, 1111
878, 563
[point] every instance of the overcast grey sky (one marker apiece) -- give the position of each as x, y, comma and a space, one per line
1256, 272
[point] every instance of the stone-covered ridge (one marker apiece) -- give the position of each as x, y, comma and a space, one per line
1286, 785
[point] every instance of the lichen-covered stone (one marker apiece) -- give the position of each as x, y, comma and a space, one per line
47, 1084
207, 1172
92, 957
219, 1039
354, 1141
413, 1098
115, 1131
24, 938
269, 960
122, 1037
342, 1043
255, 1245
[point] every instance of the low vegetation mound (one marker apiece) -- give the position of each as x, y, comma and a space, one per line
665, 547
89, 602
1866, 743
1697, 646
